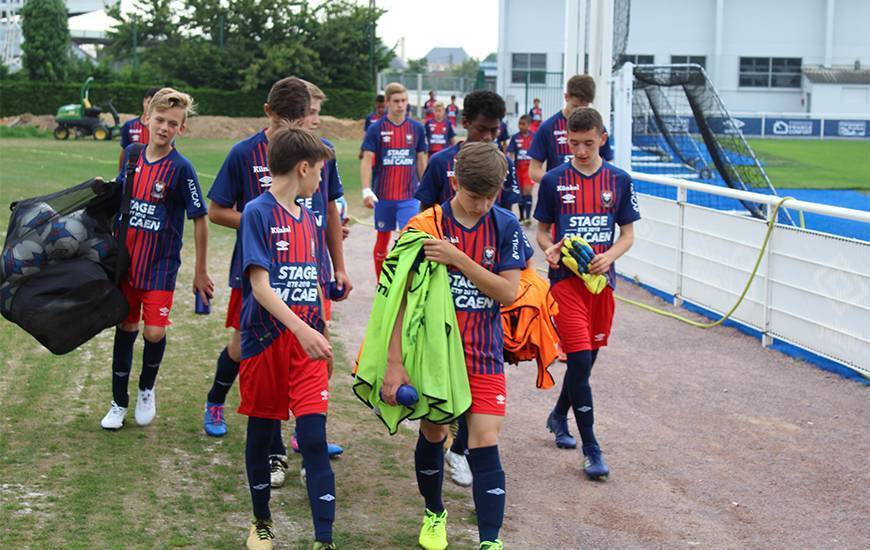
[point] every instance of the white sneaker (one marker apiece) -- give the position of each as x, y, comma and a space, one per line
146, 407
114, 419
278, 463
460, 473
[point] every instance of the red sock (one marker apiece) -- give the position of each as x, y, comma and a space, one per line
380, 252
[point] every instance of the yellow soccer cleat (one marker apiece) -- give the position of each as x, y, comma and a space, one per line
260, 537
433, 533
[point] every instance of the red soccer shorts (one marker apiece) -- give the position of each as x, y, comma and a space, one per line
584, 319
327, 310
283, 378
234, 310
488, 393
153, 306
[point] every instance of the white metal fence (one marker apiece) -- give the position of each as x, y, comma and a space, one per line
812, 289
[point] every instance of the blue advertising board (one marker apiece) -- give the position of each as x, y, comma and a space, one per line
768, 126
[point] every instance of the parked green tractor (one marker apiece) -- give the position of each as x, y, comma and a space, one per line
83, 119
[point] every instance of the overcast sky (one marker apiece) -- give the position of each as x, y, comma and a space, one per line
425, 24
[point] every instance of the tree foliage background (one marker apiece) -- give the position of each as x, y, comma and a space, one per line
247, 44
46, 39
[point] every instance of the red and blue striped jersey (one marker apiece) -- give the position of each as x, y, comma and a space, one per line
371, 118
519, 145
537, 117
452, 111
497, 243
134, 131
551, 143
429, 109
439, 134
395, 147
162, 192
437, 184
286, 247
588, 206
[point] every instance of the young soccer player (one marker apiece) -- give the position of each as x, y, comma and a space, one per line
482, 247
536, 116
399, 146
439, 131
378, 113
550, 145
587, 197
481, 116
453, 111
164, 188
284, 354
136, 130
429, 106
518, 151
503, 136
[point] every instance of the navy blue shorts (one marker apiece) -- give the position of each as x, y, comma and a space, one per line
390, 215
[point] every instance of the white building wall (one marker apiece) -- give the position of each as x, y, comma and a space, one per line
839, 99
852, 32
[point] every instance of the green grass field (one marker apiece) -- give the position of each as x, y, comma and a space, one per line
815, 164
66, 483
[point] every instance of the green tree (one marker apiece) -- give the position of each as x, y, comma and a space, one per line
418, 65
467, 69
45, 29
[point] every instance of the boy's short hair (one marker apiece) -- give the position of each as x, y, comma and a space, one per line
289, 98
290, 146
392, 89
581, 86
151, 91
483, 102
481, 168
438, 104
314, 91
169, 98
452, 97
525, 118
585, 119
536, 100
380, 98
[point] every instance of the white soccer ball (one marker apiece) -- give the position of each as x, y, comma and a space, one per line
7, 292
25, 258
96, 249
34, 222
64, 238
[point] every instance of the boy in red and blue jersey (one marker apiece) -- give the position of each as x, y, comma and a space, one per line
439, 131
429, 107
164, 188
518, 151
136, 130
536, 116
284, 352
371, 118
481, 118
484, 250
587, 197
399, 146
453, 111
550, 145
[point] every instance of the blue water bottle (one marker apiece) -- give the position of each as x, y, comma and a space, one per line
200, 307
406, 395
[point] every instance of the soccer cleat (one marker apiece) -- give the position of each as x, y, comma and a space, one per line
213, 422
594, 465
558, 425
114, 419
331, 448
261, 535
324, 545
146, 407
278, 464
433, 533
460, 473
496, 544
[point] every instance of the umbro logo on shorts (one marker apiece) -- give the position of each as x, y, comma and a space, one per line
500, 399
599, 337
498, 491
324, 395
327, 497
429, 472
164, 312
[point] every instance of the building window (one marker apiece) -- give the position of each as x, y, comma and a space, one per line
770, 72
696, 59
531, 65
638, 59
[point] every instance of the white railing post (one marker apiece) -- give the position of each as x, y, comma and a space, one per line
682, 198
420, 96
622, 127
766, 338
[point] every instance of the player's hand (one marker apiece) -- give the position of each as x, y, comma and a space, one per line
203, 286
316, 345
342, 281
369, 202
345, 231
441, 251
360, 154
369, 197
600, 264
395, 376
554, 254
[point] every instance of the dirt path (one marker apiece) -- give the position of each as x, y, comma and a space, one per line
713, 442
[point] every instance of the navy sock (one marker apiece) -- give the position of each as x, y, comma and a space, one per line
429, 465
580, 393
122, 364
563, 404
260, 432
152, 356
320, 481
277, 447
460, 442
224, 376
489, 490
526, 205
